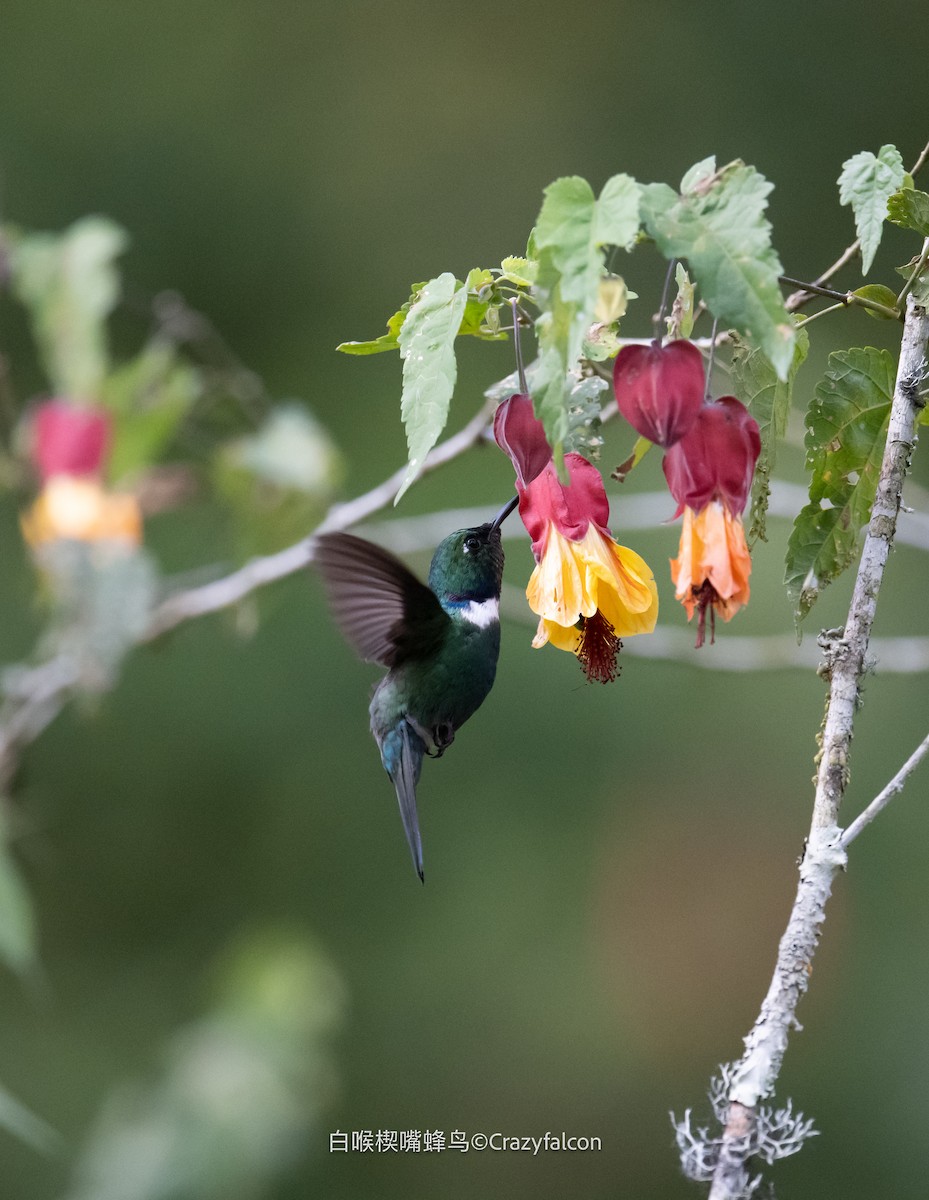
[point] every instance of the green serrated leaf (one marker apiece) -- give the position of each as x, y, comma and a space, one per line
909, 209
722, 232
866, 183
616, 221
569, 235
17, 920
427, 347
519, 271
768, 400
920, 288
846, 432
70, 284
387, 341
573, 227
478, 277
699, 175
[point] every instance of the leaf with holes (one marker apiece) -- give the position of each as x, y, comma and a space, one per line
846, 432
909, 208
767, 398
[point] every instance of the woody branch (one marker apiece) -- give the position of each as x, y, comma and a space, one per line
754, 1076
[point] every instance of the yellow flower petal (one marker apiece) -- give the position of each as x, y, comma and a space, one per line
70, 507
576, 579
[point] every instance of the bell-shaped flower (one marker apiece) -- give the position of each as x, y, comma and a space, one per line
716, 457
659, 388
587, 590
69, 444
69, 439
709, 473
81, 510
711, 570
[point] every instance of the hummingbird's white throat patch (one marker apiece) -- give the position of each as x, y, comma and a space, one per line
481, 612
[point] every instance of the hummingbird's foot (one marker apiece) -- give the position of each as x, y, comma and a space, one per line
436, 740
442, 737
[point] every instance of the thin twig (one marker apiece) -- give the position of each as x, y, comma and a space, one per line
821, 313
846, 298
798, 299
755, 1074
880, 801
34, 696
223, 593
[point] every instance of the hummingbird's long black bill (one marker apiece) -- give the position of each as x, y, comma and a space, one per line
504, 513
405, 784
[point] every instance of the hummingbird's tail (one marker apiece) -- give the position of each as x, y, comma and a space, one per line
402, 752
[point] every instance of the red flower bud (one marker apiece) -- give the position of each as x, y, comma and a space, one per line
715, 458
69, 439
520, 433
659, 389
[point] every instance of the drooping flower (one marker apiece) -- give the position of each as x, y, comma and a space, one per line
82, 510
69, 439
712, 568
709, 473
69, 444
716, 456
659, 388
587, 590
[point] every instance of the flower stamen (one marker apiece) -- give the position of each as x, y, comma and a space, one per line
598, 648
705, 597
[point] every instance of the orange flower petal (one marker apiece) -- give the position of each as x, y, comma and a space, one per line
712, 550
79, 508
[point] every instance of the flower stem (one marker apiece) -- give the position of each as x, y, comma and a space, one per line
517, 345
709, 362
659, 320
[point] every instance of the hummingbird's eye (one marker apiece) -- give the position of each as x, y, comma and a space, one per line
471, 544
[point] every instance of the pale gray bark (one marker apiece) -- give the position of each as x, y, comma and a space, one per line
845, 650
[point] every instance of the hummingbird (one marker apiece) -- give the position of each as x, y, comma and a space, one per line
439, 642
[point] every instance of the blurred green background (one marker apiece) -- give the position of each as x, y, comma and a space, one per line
608, 869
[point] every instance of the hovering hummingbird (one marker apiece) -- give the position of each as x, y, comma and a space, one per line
439, 642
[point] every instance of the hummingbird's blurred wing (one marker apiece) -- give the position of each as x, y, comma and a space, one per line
383, 610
